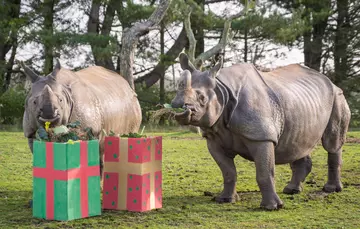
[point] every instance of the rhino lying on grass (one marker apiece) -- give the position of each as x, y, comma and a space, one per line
270, 118
98, 98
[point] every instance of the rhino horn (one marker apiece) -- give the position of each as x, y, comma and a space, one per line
185, 79
185, 63
47, 92
213, 71
30, 74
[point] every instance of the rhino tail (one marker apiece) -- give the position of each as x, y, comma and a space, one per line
335, 133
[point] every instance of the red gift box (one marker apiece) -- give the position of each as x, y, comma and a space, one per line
132, 173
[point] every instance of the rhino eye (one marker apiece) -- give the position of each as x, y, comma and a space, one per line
201, 97
34, 102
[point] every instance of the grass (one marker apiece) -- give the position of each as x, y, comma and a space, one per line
188, 171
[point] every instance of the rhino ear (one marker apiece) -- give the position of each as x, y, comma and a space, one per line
214, 70
56, 69
185, 63
30, 74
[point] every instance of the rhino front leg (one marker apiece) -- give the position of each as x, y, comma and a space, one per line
31, 143
300, 169
228, 169
264, 158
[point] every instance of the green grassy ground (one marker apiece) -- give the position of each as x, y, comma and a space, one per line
188, 171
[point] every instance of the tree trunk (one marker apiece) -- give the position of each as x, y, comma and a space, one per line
9, 66
48, 14
341, 41
197, 26
162, 78
313, 41
245, 45
130, 39
9, 10
98, 47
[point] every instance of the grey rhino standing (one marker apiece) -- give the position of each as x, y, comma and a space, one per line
95, 96
270, 118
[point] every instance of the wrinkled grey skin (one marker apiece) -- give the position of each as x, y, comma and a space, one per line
95, 96
270, 118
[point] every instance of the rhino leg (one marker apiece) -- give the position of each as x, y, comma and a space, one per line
101, 160
264, 157
31, 143
333, 140
300, 169
228, 169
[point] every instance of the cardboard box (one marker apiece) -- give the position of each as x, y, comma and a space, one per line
132, 173
66, 180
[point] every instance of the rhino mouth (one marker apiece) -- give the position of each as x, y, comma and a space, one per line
51, 120
191, 107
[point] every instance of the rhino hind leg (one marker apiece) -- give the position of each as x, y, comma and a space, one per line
333, 139
300, 169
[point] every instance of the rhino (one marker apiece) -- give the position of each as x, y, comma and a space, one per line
269, 118
97, 97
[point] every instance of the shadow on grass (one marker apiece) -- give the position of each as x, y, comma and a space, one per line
16, 212
177, 134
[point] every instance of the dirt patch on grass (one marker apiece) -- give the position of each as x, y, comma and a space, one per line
316, 195
187, 138
352, 140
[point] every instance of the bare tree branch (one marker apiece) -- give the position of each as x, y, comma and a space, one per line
190, 36
131, 37
141, 71
152, 77
215, 1
226, 36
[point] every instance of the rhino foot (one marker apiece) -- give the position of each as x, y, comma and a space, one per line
291, 189
272, 204
332, 187
222, 199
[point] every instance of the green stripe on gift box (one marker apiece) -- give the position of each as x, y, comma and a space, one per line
66, 156
74, 205
94, 195
60, 200
93, 153
39, 156
39, 197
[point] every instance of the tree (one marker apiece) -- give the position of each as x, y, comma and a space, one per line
130, 39
10, 22
316, 15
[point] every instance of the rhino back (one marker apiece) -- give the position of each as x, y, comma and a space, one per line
104, 100
306, 99
251, 107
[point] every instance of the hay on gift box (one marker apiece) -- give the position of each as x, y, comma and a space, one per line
64, 133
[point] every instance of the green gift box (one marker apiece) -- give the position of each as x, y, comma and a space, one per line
66, 180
